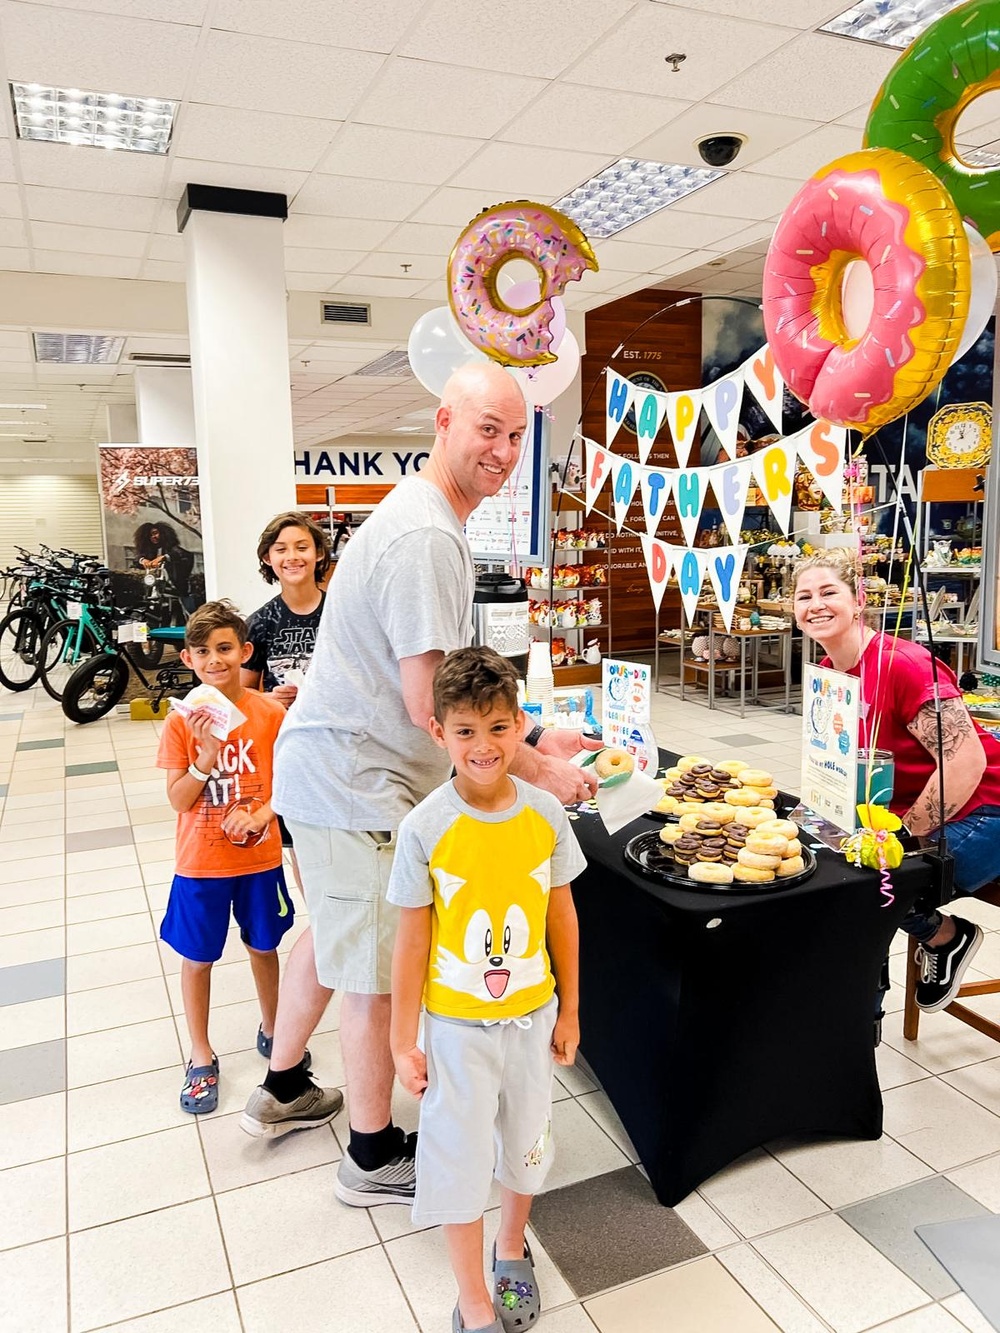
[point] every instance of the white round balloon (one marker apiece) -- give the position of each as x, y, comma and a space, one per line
437, 348
984, 291
543, 384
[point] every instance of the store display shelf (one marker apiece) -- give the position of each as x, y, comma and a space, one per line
581, 673
953, 571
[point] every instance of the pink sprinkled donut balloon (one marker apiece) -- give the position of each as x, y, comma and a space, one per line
883, 208
554, 246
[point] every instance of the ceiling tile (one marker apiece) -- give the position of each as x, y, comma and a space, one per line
7, 171
595, 120
334, 233
822, 76
167, 248
604, 280
523, 172
349, 197
185, 170
424, 267
65, 167
87, 240
858, 117
266, 74
741, 194
104, 52
92, 266
13, 257
419, 95
559, 33
634, 258
311, 282
760, 232
360, 25
802, 14
10, 201
684, 263
181, 11
380, 153
669, 227
416, 238
634, 285
377, 287
800, 159
718, 49
254, 138
764, 132
456, 208
321, 261
88, 208
158, 271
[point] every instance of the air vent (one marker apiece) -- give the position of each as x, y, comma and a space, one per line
344, 312
392, 364
159, 359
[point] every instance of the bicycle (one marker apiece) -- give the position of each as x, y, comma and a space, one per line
86, 631
158, 610
44, 586
96, 686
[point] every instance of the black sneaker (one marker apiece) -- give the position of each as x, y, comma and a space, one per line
943, 966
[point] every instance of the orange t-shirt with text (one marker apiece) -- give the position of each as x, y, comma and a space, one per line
242, 769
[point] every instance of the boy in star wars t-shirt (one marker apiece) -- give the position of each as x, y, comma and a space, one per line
487, 933
228, 856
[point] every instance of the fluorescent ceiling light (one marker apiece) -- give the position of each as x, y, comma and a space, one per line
888, 22
629, 191
25, 439
25, 424
981, 157
77, 349
24, 407
96, 120
405, 430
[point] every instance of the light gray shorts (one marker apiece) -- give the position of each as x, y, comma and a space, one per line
487, 1112
345, 874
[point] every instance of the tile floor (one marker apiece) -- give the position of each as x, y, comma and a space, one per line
118, 1211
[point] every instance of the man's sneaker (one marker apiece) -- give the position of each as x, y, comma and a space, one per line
393, 1183
942, 967
267, 1118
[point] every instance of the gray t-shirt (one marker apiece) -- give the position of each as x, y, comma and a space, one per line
348, 755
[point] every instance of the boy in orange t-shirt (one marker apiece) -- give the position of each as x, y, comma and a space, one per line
228, 849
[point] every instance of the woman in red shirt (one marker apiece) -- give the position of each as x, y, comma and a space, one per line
899, 714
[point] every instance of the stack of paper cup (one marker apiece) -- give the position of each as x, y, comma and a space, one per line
539, 684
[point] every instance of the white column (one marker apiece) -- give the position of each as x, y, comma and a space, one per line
242, 402
164, 405
122, 427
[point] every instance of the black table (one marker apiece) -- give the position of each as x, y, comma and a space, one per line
716, 1022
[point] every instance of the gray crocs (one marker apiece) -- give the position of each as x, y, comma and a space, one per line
458, 1327
515, 1292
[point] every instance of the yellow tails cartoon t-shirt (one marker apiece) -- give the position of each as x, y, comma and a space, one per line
488, 876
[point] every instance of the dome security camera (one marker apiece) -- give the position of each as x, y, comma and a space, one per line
719, 150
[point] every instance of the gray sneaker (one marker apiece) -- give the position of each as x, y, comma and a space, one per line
267, 1118
393, 1183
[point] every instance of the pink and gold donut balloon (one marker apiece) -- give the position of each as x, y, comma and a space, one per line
881, 207
551, 243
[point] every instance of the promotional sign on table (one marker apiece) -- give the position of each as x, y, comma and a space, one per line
626, 692
830, 716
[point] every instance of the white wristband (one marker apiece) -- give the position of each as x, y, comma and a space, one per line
196, 773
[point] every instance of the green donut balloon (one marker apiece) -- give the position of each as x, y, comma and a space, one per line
916, 110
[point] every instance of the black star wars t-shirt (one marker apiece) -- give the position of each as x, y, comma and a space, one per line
281, 640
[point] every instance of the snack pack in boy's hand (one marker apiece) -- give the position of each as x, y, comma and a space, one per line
226, 717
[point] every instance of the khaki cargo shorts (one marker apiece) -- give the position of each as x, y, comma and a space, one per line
345, 874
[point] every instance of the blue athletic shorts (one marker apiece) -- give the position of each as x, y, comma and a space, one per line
197, 917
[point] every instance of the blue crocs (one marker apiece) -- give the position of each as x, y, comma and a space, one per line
200, 1093
264, 1045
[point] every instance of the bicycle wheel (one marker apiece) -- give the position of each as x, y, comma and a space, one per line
20, 647
95, 687
150, 653
64, 647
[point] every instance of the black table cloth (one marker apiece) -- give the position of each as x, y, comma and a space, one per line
716, 1022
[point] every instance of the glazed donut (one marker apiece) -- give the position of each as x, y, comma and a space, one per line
671, 774
609, 763
719, 811
554, 246
754, 777
689, 761
670, 833
917, 108
783, 828
766, 846
711, 872
886, 209
689, 822
763, 793
667, 805
753, 818
751, 875
794, 848
757, 861
792, 866
742, 796
732, 766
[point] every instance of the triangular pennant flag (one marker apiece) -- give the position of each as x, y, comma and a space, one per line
689, 497
725, 568
655, 487
774, 471
763, 378
721, 402
821, 447
620, 394
659, 566
650, 408
624, 476
689, 577
598, 462
730, 483
683, 411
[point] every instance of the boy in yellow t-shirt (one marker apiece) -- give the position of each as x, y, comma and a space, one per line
482, 873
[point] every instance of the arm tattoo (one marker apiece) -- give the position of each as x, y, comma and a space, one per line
956, 727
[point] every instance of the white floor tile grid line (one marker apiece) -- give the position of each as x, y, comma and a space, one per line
708, 1203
